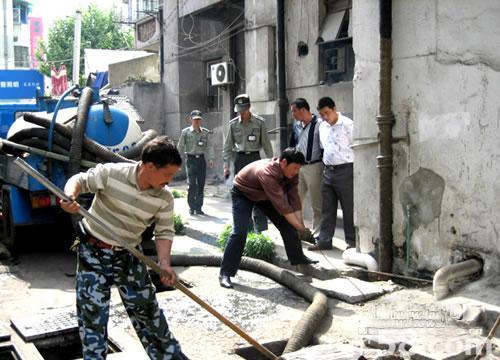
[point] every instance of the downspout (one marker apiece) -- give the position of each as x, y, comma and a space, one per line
282, 100
442, 277
385, 122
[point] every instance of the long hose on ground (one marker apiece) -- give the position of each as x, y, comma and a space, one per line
312, 317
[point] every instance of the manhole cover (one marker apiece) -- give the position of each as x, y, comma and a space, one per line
46, 325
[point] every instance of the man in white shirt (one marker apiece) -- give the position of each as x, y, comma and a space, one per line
335, 133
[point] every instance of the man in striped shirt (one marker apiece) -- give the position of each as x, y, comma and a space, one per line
128, 198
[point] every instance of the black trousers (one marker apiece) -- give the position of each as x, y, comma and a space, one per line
242, 212
196, 169
259, 221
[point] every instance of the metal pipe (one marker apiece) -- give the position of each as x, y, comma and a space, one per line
76, 46
282, 99
385, 122
408, 239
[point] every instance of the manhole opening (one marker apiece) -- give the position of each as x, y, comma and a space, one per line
65, 347
251, 353
8, 352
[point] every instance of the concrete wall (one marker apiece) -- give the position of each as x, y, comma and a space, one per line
144, 68
145, 97
446, 82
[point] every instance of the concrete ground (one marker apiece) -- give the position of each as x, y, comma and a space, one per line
381, 314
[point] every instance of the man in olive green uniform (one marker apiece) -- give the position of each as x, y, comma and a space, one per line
246, 135
194, 143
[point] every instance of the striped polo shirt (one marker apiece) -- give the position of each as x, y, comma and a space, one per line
120, 204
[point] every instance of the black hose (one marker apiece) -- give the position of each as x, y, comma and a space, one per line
312, 317
90, 145
41, 134
135, 151
78, 131
63, 143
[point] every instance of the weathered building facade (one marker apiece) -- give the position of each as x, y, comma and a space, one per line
445, 86
445, 80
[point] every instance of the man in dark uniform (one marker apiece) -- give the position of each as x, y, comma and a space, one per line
247, 134
194, 143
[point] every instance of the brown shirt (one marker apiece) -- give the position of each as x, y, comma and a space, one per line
264, 180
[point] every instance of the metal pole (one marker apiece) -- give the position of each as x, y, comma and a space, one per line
282, 100
76, 47
60, 194
385, 122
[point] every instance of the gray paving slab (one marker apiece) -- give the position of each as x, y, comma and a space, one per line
352, 290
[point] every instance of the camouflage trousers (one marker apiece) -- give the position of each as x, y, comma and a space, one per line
98, 270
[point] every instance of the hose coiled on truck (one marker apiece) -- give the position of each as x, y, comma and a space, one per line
78, 131
99, 151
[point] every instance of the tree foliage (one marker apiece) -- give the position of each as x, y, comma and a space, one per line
100, 30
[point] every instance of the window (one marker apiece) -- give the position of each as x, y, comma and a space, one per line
21, 56
214, 95
336, 61
16, 13
336, 56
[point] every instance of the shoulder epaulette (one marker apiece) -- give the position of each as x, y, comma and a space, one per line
259, 117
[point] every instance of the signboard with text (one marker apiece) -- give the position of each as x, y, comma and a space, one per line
20, 84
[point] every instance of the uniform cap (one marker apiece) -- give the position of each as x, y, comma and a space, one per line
196, 114
241, 102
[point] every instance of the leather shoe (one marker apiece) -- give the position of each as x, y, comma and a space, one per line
191, 212
225, 282
317, 247
304, 261
199, 212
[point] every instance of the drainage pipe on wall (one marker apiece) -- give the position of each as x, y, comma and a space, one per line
282, 99
442, 277
312, 317
385, 122
351, 256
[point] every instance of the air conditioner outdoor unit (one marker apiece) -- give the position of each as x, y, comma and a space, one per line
222, 73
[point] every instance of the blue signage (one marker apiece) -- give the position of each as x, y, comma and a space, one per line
20, 84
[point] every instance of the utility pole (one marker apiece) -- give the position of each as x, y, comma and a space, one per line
76, 47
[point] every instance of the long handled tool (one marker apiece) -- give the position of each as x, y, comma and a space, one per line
56, 191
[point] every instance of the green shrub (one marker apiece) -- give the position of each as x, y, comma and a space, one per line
258, 246
178, 194
178, 225
224, 236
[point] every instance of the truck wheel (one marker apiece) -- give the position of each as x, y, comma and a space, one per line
8, 229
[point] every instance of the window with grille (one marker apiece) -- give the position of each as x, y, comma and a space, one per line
21, 56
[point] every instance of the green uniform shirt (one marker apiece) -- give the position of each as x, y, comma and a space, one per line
193, 142
249, 136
